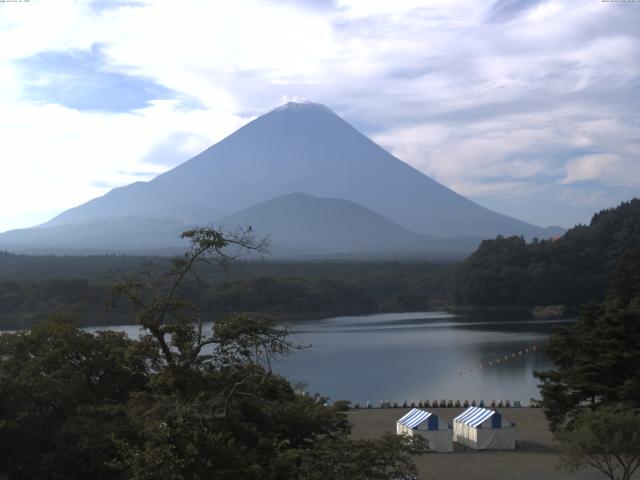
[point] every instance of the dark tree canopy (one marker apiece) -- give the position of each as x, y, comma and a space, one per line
79, 405
607, 439
570, 270
597, 358
32, 287
183, 402
592, 398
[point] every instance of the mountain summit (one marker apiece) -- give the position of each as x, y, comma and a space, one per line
298, 147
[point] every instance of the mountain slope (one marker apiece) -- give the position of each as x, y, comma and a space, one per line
113, 235
298, 225
300, 147
326, 226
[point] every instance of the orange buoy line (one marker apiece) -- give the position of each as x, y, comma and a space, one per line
503, 358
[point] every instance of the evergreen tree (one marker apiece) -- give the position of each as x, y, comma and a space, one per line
571, 270
597, 358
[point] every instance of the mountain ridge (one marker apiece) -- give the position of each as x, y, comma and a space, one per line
300, 226
302, 147
329, 226
297, 147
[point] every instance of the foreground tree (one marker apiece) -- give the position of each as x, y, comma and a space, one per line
184, 401
389, 457
63, 395
597, 358
592, 398
607, 439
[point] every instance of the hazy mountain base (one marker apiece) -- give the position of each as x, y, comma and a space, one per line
298, 226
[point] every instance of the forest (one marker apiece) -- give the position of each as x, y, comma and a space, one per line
185, 401
506, 271
571, 270
31, 287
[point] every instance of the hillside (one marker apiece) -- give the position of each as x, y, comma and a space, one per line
570, 270
299, 147
327, 226
132, 235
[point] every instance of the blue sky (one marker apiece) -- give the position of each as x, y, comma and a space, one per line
81, 79
527, 107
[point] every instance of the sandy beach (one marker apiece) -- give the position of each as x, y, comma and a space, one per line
535, 458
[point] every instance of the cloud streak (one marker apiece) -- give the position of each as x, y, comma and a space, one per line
82, 80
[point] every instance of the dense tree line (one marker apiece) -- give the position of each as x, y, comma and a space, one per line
80, 285
569, 270
597, 358
592, 396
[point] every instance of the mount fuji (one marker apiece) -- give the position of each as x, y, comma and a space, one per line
298, 148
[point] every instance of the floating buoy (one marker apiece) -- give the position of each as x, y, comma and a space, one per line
503, 358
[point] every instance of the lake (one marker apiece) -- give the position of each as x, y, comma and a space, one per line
418, 356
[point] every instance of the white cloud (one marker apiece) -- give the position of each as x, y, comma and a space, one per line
587, 198
53, 157
514, 155
513, 147
589, 167
546, 96
605, 169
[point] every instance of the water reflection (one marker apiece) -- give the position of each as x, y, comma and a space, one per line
418, 355
421, 355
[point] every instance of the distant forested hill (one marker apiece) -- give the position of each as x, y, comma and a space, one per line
32, 287
569, 270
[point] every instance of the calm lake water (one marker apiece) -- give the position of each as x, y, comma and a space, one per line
417, 356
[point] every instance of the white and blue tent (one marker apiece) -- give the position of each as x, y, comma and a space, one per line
483, 429
437, 433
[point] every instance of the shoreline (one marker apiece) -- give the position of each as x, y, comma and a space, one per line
100, 319
535, 457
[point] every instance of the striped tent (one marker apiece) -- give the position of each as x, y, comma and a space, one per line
483, 429
438, 434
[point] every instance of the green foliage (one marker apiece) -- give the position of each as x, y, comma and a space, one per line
289, 295
62, 395
597, 358
607, 439
180, 403
388, 458
592, 398
570, 270
341, 405
80, 405
31, 287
